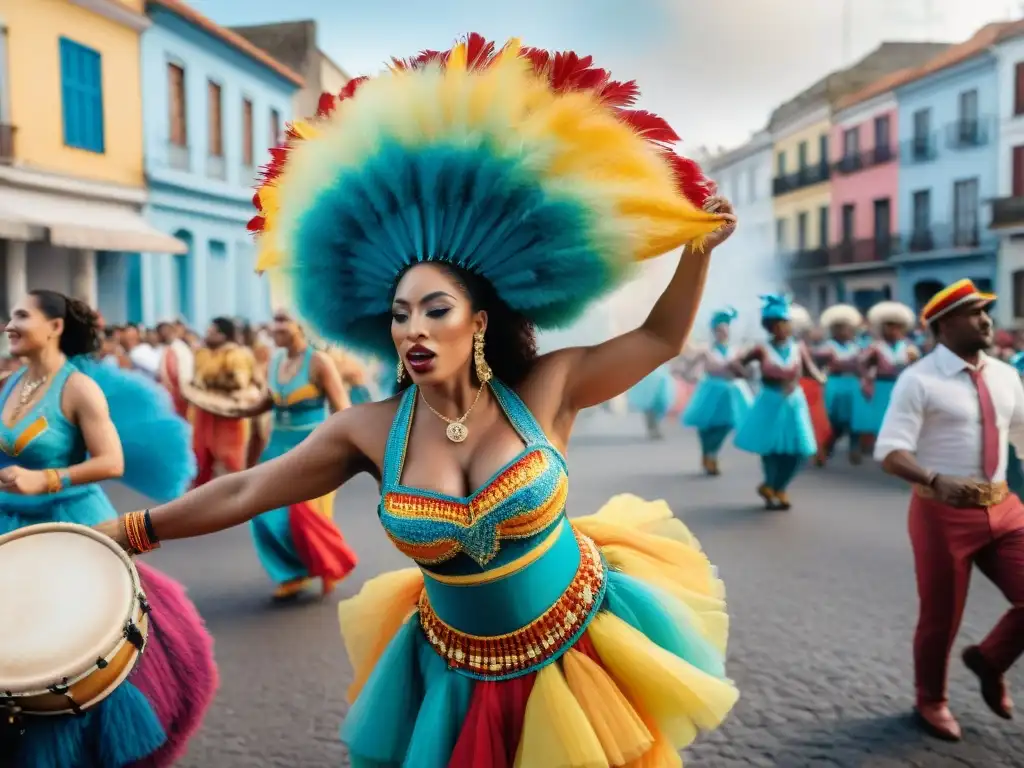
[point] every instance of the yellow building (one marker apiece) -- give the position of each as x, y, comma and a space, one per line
72, 183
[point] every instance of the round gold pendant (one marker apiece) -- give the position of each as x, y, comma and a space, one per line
457, 432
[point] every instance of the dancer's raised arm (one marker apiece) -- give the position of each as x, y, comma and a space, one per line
593, 375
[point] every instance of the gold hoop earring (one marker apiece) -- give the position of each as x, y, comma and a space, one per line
483, 370
400, 371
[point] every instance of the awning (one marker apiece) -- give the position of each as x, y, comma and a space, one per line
75, 222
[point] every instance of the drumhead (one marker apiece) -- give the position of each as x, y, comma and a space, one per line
66, 594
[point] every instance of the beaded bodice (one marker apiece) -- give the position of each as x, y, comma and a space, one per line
298, 401
495, 524
781, 362
42, 438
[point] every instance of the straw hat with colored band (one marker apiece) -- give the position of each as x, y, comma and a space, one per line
959, 294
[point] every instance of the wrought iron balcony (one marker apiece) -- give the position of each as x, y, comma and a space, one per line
1008, 212
805, 177
919, 149
6, 144
864, 159
814, 258
861, 251
967, 134
946, 237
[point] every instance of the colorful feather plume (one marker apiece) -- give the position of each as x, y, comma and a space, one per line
532, 169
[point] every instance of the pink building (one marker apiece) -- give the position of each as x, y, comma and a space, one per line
865, 186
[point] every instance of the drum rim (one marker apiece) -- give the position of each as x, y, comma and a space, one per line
42, 685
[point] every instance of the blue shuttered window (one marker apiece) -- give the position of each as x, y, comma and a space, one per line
81, 75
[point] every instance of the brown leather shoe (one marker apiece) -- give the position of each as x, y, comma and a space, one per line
993, 686
938, 721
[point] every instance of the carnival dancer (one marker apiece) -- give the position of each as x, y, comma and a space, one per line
299, 542
523, 637
62, 417
653, 397
778, 427
721, 400
222, 369
177, 365
881, 363
946, 432
803, 331
839, 357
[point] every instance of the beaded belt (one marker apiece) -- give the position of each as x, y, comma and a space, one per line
532, 646
983, 494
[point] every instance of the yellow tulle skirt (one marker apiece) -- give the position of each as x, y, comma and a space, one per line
634, 690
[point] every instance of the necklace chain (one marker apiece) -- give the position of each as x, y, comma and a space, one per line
457, 430
25, 394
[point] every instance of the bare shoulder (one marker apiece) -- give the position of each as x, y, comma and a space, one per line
82, 395
366, 427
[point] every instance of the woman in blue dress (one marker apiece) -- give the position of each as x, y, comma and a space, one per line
299, 542
68, 423
721, 400
653, 397
839, 356
778, 427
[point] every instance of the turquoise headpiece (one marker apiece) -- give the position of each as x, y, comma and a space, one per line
723, 317
775, 306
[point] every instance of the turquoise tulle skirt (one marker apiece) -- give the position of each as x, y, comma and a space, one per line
868, 414
718, 403
778, 423
841, 390
653, 394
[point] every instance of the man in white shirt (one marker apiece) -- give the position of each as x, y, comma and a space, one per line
946, 432
145, 358
177, 364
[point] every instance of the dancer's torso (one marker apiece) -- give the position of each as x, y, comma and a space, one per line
782, 364
299, 405
890, 359
843, 357
718, 361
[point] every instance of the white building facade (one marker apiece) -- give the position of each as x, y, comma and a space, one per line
1008, 207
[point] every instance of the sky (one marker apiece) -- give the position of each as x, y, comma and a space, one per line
714, 70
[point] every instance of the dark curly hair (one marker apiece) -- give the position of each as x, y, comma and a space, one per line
510, 340
83, 329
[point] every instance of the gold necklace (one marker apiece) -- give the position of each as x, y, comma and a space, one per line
457, 430
28, 389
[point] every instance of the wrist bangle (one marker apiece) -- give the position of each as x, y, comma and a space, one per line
65, 479
52, 480
147, 520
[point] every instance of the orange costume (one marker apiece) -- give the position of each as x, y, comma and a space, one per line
219, 439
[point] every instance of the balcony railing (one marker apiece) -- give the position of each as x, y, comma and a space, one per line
805, 177
178, 157
6, 144
216, 168
919, 149
816, 258
967, 134
942, 237
1008, 212
861, 251
864, 159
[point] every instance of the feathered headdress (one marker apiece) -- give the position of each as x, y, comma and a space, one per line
891, 312
841, 314
530, 169
724, 316
775, 306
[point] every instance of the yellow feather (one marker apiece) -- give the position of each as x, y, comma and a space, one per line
457, 58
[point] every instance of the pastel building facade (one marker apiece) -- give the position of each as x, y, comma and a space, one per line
948, 136
72, 185
213, 104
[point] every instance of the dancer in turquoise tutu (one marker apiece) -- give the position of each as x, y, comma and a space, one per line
299, 542
840, 357
68, 423
721, 400
778, 427
653, 397
881, 363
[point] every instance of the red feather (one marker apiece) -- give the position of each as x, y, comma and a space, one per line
622, 95
691, 181
479, 52
351, 87
256, 224
256, 202
649, 125
326, 104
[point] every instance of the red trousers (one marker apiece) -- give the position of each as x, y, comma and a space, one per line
216, 439
947, 542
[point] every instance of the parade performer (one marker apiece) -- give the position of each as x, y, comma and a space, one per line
177, 365
438, 216
802, 327
223, 368
946, 432
839, 357
778, 427
881, 363
62, 417
299, 542
653, 397
721, 400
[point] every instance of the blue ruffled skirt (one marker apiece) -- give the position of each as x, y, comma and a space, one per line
778, 423
868, 414
840, 393
654, 394
718, 403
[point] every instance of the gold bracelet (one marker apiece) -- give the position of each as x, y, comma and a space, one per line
53, 484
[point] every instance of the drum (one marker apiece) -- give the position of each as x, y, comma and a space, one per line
75, 619
222, 403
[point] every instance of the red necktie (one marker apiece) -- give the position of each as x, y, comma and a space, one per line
989, 428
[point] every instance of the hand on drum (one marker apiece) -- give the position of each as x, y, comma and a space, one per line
115, 530
24, 482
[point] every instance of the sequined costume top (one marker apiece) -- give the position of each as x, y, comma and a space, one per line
298, 403
502, 567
